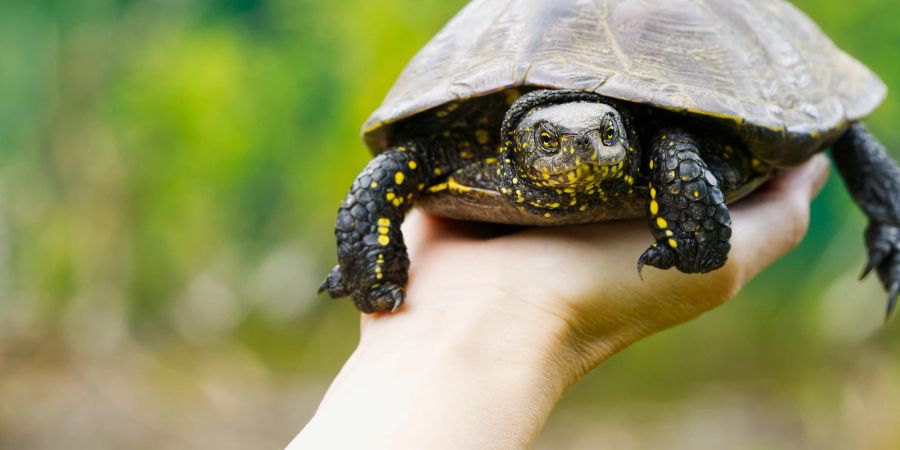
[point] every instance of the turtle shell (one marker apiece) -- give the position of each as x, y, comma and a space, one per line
760, 65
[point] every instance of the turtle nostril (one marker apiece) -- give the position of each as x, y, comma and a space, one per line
582, 141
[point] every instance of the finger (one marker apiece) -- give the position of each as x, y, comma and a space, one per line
774, 219
419, 228
808, 178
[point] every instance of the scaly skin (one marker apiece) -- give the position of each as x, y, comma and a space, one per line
581, 186
372, 261
687, 172
688, 216
873, 180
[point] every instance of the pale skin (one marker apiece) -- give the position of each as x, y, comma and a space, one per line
498, 324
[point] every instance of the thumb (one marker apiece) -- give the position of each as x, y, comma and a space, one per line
774, 219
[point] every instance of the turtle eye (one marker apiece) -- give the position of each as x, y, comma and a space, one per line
609, 134
546, 136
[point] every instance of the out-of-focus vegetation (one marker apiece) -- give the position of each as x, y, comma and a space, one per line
169, 173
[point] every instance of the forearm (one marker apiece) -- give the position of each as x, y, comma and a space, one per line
452, 382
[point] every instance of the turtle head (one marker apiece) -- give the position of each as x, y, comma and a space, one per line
565, 149
572, 144
562, 139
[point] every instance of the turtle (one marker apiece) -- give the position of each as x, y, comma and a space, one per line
555, 112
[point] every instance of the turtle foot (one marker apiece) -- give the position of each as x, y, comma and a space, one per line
378, 297
883, 242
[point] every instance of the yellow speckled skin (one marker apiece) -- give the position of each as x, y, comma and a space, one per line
534, 112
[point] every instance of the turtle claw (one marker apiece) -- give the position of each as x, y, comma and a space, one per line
658, 256
334, 284
384, 297
883, 242
873, 261
879, 242
892, 300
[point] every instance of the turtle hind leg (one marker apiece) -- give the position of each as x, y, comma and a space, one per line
873, 180
372, 260
688, 216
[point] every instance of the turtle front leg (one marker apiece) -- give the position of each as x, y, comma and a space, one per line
372, 260
873, 179
688, 216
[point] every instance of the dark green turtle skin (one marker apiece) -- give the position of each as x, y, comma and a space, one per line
621, 109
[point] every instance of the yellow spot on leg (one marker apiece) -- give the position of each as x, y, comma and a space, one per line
438, 171
390, 196
384, 240
672, 243
652, 193
383, 230
384, 222
661, 223
654, 207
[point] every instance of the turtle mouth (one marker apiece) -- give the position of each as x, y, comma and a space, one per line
586, 173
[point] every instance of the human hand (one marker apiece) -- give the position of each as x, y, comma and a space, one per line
500, 321
585, 276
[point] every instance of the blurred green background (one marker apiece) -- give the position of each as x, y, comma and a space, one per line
169, 174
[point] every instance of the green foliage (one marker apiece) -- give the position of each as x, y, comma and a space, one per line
180, 163
230, 128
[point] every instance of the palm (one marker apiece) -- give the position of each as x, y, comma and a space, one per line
586, 275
